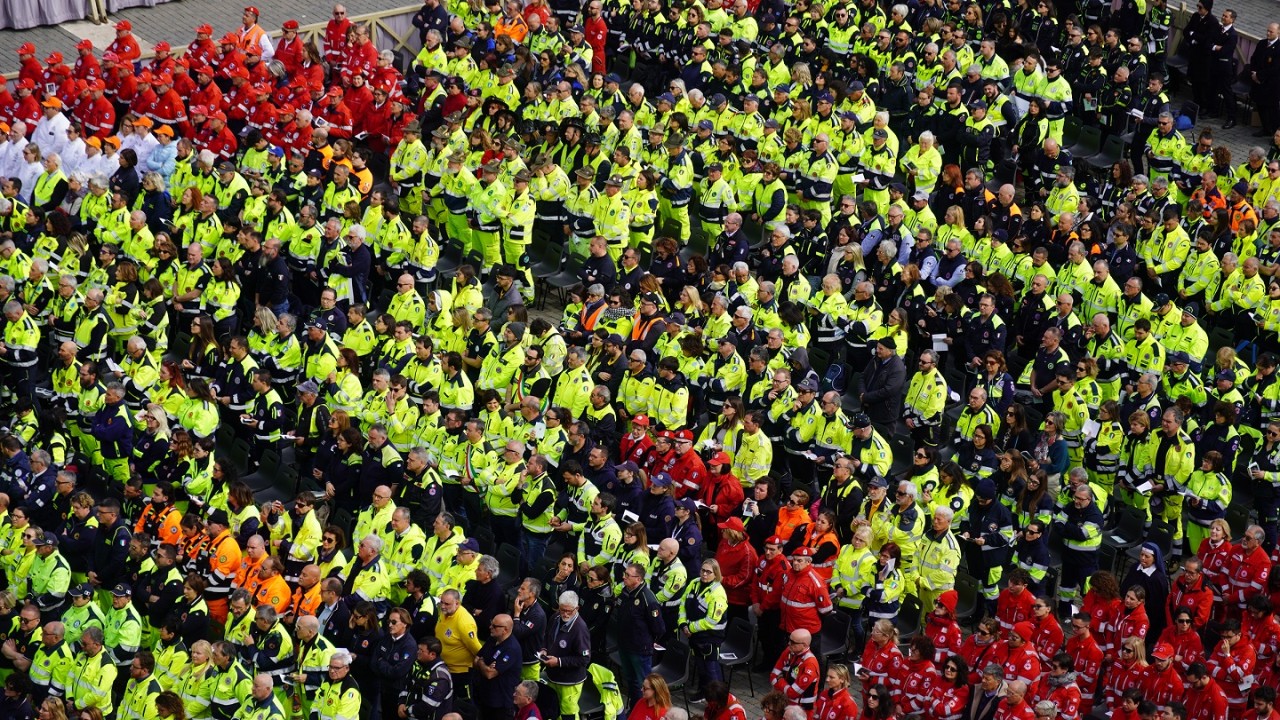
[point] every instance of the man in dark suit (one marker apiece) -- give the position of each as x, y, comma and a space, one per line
334, 615
882, 385
1264, 76
1201, 34
1224, 53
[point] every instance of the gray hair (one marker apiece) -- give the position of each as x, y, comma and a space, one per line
530, 689
490, 565
374, 541
569, 597
342, 655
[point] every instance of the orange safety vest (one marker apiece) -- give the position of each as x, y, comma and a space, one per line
251, 38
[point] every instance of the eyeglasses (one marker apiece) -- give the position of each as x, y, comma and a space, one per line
329, 540
337, 13
1126, 651
1183, 621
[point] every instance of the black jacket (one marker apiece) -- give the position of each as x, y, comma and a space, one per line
882, 387
641, 614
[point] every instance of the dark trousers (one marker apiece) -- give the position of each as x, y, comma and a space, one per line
1224, 79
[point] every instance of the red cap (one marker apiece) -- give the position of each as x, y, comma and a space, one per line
254, 10
665, 435
1024, 630
26, 84
199, 110
203, 70
62, 70
262, 89
733, 523
229, 39
285, 108
54, 58
290, 25
124, 25
163, 46
685, 434
110, 57
775, 540
1163, 651
27, 49
85, 44
721, 458
98, 85
218, 115
802, 551
950, 600
145, 77
82, 86
335, 91
640, 420
205, 29
316, 86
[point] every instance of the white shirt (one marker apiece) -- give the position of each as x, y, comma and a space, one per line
29, 174
73, 156
51, 134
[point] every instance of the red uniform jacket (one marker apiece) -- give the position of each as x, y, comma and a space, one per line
979, 655
28, 111
1207, 703
725, 492
87, 67
1048, 638
1186, 645
1023, 664
630, 448
689, 473
1233, 671
1215, 559
1086, 661
767, 589
1250, 576
796, 676
839, 705
32, 70
946, 636
202, 52
223, 144
1012, 609
1122, 676
358, 100
884, 665
290, 54
100, 118
338, 117
1067, 698
1265, 636
1104, 615
210, 96
335, 41
1196, 596
737, 564
239, 101
1163, 687
1132, 624
1021, 711
126, 48
804, 601
917, 686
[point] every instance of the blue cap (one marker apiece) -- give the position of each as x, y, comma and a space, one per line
277, 151
667, 97
660, 480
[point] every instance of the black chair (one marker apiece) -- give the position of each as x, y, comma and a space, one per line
969, 602
548, 702
833, 639
590, 705
1111, 153
676, 667
509, 560
484, 537
1128, 531
908, 619
1088, 144
738, 649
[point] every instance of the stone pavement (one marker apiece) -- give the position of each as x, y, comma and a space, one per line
175, 22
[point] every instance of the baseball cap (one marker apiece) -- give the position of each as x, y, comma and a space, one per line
733, 523
121, 590
640, 420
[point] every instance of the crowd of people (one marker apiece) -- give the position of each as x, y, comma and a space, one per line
502, 380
